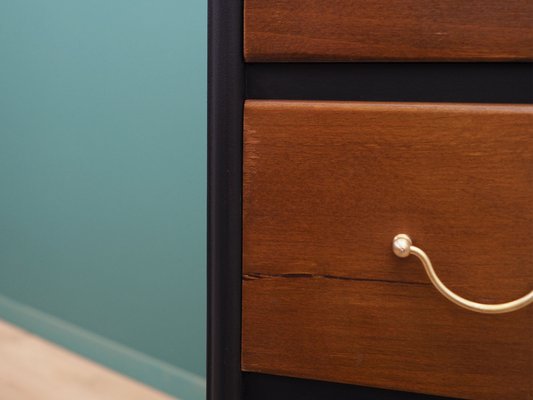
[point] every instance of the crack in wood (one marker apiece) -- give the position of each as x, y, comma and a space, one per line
250, 276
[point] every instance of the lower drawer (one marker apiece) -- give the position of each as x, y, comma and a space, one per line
326, 187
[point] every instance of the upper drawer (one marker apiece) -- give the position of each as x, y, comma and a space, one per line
326, 187
416, 30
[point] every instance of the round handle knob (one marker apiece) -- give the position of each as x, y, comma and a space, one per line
402, 246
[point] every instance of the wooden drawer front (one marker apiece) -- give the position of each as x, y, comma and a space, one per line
327, 185
352, 30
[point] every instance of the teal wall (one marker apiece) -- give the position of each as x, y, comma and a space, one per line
102, 169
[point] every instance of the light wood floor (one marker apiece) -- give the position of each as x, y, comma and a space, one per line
34, 369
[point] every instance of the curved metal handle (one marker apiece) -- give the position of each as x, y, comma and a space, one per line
402, 246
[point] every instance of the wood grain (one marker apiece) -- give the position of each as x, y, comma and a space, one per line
416, 30
326, 187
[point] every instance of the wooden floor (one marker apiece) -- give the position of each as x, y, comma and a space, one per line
32, 368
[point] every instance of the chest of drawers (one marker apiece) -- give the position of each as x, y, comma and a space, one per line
333, 127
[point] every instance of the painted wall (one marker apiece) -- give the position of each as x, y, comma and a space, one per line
102, 169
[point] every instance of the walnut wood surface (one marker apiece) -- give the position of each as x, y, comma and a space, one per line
351, 30
326, 187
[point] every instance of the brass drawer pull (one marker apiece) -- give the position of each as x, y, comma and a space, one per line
402, 246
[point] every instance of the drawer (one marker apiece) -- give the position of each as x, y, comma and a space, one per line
353, 30
327, 186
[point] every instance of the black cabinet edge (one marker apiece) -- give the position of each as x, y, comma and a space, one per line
225, 104
269, 387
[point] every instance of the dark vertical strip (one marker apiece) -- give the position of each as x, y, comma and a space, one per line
225, 105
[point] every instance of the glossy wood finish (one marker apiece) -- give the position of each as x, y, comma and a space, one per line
326, 187
354, 30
